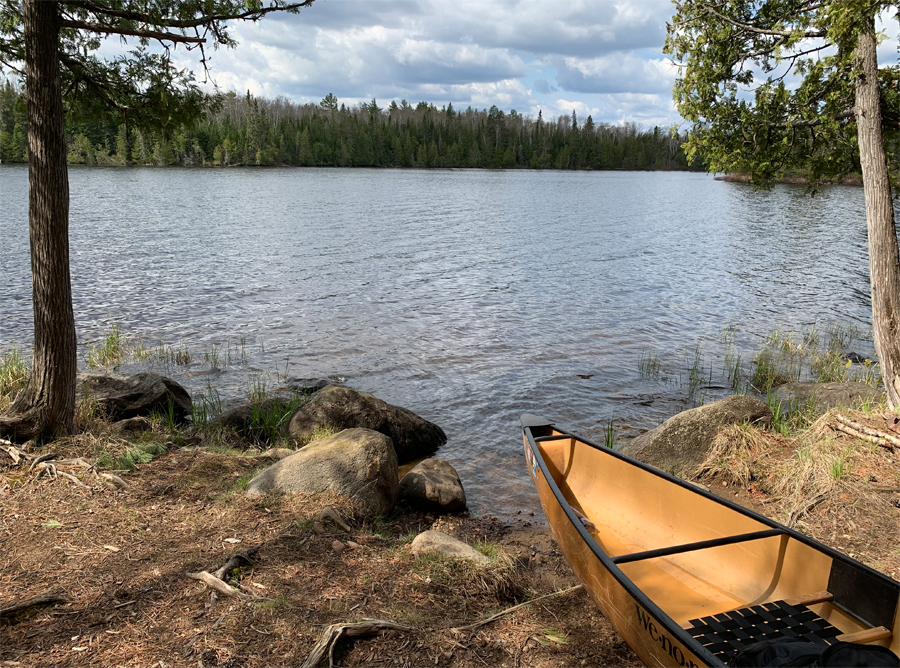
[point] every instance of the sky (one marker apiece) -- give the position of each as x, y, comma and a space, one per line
596, 57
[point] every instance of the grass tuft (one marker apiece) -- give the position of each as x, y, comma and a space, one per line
13, 376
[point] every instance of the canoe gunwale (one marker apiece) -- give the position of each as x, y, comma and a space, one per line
654, 610
611, 563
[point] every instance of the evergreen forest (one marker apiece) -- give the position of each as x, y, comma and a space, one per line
245, 130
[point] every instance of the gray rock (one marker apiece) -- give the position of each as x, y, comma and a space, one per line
260, 421
447, 546
681, 443
340, 407
433, 485
821, 396
276, 453
122, 397
359, 464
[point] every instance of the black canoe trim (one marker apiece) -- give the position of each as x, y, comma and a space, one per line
634, 591
697, 545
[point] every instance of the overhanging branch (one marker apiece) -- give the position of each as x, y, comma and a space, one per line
106, 29
760, 31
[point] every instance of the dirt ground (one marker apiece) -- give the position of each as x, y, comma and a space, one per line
120, 559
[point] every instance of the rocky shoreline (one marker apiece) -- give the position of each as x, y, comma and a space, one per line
163, 544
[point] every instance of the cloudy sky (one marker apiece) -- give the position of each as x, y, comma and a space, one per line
598, 57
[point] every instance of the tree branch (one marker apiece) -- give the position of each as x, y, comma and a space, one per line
203, 21
759, 31
115, 30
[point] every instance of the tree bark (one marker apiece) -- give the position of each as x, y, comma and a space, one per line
46, 407
884, 257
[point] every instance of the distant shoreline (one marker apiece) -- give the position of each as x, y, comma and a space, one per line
791, 179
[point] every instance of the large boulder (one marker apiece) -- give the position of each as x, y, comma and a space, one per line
340, 407
359, 464
436, 542
681, 443
121, 397
819, 397
433, 485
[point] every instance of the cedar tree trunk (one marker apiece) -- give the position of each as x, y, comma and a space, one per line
884, 258
46, 406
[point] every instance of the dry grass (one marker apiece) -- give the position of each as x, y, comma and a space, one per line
838, 489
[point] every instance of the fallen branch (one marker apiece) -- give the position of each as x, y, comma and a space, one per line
114, 480
335, 632
500, 614
213, 582
18, 613
865, 433
14, 453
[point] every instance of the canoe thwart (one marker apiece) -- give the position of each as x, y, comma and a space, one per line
698, 545
726, 633
553, 437
869, 635
810, 599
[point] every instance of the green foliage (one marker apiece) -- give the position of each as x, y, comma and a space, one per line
770, 86
244, 130
132, 456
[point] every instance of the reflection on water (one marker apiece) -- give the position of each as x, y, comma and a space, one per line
467, 296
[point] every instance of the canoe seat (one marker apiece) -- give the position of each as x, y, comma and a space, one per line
724, 634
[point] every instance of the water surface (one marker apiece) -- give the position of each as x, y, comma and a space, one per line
467, 296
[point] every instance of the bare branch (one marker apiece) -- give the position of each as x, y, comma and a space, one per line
203, 21
115, 30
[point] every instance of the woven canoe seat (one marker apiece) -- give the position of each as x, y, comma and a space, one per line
724, 634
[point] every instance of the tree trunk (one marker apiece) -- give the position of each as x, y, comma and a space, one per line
46, 406
884, 257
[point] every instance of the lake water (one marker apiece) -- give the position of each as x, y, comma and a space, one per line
469, 297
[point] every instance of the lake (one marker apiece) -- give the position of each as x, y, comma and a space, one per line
469, 297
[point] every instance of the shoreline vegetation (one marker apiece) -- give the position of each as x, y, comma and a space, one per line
792, 179
115, 529
244, 130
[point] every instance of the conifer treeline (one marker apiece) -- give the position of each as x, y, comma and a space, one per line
243, 130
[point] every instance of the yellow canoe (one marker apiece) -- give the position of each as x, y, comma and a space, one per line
688, 578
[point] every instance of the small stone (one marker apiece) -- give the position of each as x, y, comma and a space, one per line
352, 545
338, 546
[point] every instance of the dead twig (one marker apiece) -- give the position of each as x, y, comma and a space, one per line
865, 433
330, 513
500, 614
69, 476
332, 634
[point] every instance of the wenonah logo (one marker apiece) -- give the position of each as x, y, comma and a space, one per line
662, 639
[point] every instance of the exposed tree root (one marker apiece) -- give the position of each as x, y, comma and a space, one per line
15, 614
371, 627
332, 634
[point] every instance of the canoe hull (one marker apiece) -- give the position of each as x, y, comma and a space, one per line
688, 578
645, 634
